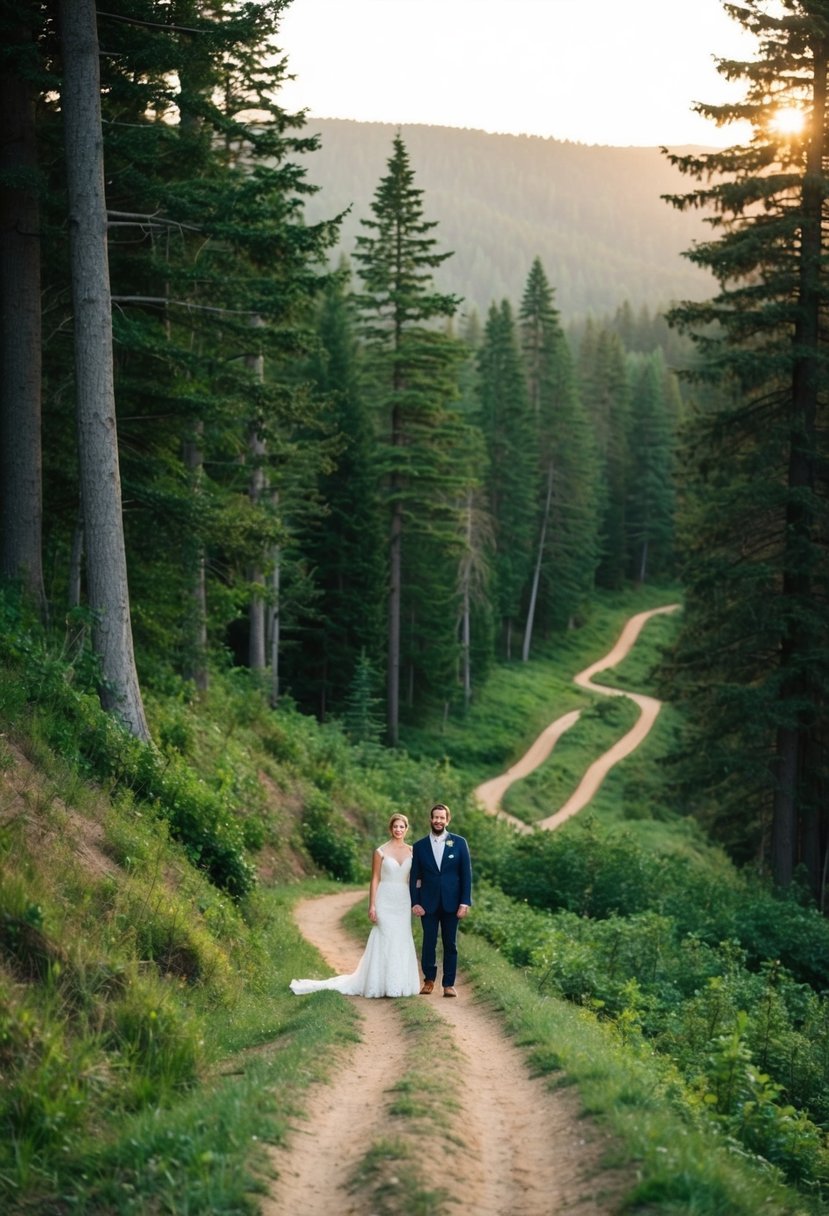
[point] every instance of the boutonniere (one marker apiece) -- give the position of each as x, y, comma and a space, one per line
450, 844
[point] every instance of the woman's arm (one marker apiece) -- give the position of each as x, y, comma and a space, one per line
376, 863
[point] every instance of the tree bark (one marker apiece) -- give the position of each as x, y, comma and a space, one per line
257, 621
21, 493
197, 642
528, 631
100, 477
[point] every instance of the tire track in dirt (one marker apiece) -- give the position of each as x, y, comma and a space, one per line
525, 1149
490, 793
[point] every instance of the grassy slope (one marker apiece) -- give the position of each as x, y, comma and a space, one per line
149, 1046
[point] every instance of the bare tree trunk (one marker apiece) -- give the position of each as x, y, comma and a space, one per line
466, 610
395, 596
97, 433
528, 630
257, 489
643, 563
21, 493
197, 648
274, 624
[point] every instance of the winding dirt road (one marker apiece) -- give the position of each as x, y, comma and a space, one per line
524, 1148
490, 793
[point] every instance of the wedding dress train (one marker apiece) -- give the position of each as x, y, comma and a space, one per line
389, 964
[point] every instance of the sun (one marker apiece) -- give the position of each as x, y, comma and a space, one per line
788, 120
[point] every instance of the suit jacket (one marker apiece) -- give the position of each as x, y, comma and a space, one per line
448, 886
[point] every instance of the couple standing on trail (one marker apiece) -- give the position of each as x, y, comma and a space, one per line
431, 879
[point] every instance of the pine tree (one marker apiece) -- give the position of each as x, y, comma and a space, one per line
752, 663
511, 434
411, 376
363, 716
605, 391
566, 517
345, 546
651, 444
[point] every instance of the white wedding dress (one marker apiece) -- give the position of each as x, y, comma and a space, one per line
389, 964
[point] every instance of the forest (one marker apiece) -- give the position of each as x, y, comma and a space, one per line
330, 452
593, 214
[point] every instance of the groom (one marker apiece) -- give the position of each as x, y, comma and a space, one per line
440, 884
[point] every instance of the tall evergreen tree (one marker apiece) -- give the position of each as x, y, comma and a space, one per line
412, 375
605, 391
753, 659
651, 444
566, 518
92, 312
345, 547
511, 433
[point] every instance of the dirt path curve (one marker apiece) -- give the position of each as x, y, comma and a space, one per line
525, 1151
490, 793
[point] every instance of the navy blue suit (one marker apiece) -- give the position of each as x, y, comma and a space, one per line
439, 892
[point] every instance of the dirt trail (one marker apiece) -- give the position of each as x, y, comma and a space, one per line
490, 793
525, 1150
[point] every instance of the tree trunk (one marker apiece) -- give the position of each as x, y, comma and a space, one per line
21, 494
258, 486
274, 621
395, 589
528, 631
466, 610
97, 432
197, 642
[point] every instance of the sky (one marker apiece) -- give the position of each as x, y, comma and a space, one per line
619, 72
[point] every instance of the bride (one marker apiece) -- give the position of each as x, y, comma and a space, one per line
389, 964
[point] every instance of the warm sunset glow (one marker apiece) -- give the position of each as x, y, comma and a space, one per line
789, 121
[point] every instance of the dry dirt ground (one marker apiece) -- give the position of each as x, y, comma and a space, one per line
525, 1149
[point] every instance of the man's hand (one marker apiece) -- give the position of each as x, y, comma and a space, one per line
462, 911
418, 910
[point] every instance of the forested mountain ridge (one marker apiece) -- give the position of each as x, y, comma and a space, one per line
594, 215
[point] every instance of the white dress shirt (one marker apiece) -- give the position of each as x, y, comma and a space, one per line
438, 845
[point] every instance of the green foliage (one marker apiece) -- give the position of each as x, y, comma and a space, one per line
71, 721
362, 719
751, 666
332, 843
643, 943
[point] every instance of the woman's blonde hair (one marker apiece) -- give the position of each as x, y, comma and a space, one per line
395, 818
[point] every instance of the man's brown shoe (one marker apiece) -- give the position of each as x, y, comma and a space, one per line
428, 985
449, 992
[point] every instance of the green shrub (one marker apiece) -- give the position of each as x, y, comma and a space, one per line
331, 841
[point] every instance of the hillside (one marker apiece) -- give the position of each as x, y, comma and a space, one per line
593, 214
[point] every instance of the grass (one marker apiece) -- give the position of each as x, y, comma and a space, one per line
542, 792
520, 699
150, 1048
682, 1166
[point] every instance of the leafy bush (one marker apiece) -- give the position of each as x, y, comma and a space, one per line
331, 841
72, 722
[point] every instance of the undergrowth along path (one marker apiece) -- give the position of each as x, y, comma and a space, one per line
490, 793
516, 1147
